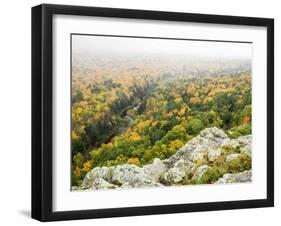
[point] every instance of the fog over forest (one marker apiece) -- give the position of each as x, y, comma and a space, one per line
124, 47
184, 57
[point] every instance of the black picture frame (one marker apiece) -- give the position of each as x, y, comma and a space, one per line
42, 111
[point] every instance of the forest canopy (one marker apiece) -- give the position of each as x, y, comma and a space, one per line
132, 113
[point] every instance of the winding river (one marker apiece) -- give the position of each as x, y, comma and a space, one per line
124, 114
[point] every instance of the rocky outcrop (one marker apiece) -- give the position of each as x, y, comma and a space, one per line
197, 148
213, 154
98, 178
200, 171
178, 172
125, 176
242, 177
155, 170
207, 147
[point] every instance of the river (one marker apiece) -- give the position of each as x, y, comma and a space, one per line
124, 114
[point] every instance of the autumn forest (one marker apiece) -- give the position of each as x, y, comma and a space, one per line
133, 107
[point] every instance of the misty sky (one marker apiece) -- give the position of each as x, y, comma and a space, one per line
124, 46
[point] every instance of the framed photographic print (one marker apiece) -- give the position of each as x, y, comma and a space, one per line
145, 112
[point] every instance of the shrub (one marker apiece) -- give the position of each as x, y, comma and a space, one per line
219, 167
133, 160
211, 175
194, 126
240, 164
241, 130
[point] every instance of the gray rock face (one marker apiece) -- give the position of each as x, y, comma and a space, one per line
231, 157
240, 141
93, 177
243, 177
126, 173
197, 148
247, 149
125, 176
245, 139
100, 183
200, 172
205, 147
178, 172
213, 154
155, 170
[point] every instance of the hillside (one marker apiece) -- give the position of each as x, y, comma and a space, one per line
121, 121
210, 157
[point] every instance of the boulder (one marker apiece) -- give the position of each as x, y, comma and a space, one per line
126, 173
129, 175
213, 133
176, 174
90, 180
245, 139
155, 170
242, 177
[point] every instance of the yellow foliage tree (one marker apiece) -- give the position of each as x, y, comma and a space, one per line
87, 166
133, 160
135, 136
